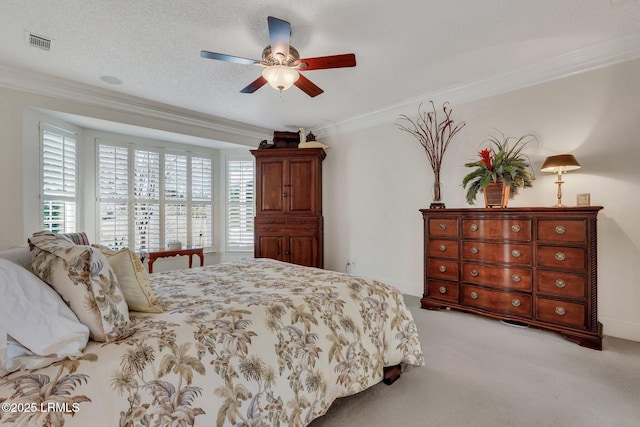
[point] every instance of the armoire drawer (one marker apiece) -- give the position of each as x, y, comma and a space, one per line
509, 229
501, 277
513, 303
561, 312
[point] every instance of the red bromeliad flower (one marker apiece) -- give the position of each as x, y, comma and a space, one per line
485, 157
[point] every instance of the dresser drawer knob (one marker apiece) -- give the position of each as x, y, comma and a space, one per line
474, 273
515, 228
442, 248
516, 278
560, 283
442, 268
443, 226
560, 256
560, 229
473, 227
515, 302
474, 250
516, 253
442, 290
474, 295
560, 311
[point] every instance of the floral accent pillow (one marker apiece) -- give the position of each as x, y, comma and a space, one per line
133, 279
85, 280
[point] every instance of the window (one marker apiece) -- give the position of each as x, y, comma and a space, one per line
59, 179
151, 197
240, 205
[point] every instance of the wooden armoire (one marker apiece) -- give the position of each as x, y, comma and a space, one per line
288, 221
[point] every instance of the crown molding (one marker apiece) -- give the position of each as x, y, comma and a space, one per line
47, 85
565, 65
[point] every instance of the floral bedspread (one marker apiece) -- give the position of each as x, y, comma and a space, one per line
254, 343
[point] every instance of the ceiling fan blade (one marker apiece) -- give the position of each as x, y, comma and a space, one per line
229, 58
308, 86
324, 62
254, 85
279, 35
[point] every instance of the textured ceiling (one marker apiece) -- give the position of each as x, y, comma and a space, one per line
404, 49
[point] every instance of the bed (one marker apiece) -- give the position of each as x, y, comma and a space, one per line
257, 342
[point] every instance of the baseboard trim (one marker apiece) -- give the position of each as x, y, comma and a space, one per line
621, 329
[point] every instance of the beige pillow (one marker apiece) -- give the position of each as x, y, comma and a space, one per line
85, 280
133, 279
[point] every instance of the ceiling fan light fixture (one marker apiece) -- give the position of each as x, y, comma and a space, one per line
280, 77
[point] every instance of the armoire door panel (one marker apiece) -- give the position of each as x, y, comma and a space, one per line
303, 250
271, 198
270, 246
300, 187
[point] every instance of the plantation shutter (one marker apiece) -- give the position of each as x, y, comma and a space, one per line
146, 193
59, 179
175, 195
113, 196
202, 199
240, 205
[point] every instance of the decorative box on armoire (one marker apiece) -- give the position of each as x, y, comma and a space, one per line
288, 221
532, 266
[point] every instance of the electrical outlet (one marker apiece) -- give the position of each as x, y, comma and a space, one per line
350, 267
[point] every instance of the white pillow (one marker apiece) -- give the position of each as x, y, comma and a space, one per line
18, 255
35, 315
3, 354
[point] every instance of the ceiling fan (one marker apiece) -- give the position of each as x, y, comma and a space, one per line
282, 63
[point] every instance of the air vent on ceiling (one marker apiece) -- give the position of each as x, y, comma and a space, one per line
38, 41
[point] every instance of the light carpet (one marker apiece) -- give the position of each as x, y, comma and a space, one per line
480, 372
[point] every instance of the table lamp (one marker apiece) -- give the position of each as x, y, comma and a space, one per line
560, 164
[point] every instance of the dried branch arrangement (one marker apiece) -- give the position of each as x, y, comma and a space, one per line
434, 135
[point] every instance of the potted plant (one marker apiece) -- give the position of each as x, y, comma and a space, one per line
502, 169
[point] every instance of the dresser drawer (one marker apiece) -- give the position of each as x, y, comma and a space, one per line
561, 312
443, 227
444, 291
496, 276
561, 284
562, 230
559, 257
513, 303
443, 269
501, 229
443, 248
511, 253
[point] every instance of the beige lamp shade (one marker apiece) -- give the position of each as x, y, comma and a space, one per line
560, 163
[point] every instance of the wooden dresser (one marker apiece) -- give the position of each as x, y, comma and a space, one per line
536, 266
288, 223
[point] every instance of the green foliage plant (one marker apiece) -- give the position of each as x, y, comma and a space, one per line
502, 161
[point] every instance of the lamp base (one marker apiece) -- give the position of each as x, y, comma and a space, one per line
559, 205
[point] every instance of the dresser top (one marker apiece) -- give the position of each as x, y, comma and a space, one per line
509, 211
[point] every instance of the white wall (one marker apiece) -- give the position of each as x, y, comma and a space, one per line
377, 179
